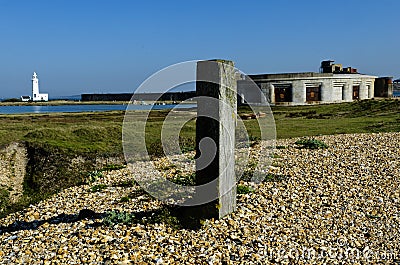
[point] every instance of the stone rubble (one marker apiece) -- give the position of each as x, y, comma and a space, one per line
328, 206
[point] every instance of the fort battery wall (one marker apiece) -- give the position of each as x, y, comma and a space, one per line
169, 96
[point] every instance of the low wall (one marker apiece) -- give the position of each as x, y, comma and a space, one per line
169, 96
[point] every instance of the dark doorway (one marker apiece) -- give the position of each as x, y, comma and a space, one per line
283, 92
313, 93
356, 92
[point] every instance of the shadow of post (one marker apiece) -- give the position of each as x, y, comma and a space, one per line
172, 216
61, 218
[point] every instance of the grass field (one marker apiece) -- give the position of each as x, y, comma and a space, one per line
101, 132
357, 117
75, 132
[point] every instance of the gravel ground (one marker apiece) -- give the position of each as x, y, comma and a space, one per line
329, 206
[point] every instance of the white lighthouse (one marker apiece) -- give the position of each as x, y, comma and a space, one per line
36, 96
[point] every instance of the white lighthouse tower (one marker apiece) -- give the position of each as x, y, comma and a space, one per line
36, 96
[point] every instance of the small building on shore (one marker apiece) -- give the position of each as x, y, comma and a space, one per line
26, 98
333, 84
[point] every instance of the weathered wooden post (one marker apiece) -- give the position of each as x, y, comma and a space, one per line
216, 88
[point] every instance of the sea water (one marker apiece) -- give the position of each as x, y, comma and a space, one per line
84, 108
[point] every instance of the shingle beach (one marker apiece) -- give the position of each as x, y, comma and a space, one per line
338, 205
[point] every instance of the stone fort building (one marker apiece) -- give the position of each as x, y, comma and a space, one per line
333, 84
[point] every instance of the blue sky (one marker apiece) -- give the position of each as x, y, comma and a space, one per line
97, 46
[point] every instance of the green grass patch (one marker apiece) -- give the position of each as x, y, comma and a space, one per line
162, 215
93, 176
243, 189
124, 199
274, 178
116, 217
112, 167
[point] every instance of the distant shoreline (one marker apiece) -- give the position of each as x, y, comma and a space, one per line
72, 102
62, 102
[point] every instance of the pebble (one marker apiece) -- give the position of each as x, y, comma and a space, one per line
332, 206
